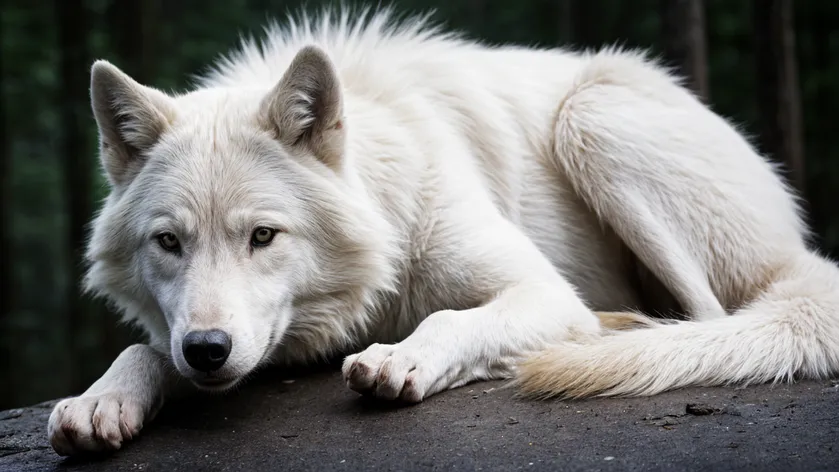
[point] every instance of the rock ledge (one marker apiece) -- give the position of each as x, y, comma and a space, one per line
314, 423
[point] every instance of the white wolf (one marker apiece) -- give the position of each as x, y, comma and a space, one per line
454, 212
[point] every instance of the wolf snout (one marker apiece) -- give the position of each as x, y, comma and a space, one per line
206, 351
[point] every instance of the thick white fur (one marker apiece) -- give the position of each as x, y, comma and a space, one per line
452, 211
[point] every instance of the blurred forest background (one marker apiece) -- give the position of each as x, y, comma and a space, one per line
766, 64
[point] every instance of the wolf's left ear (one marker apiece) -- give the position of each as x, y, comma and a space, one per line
306, 108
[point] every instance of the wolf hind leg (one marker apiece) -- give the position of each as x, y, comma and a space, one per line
677, 183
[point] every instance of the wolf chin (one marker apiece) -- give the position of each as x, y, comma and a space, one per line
444, 212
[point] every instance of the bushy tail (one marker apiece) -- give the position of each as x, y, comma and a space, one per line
791, 331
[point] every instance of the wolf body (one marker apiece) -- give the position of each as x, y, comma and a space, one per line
445, 212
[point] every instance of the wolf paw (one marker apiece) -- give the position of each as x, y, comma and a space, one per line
96, 423
392, 372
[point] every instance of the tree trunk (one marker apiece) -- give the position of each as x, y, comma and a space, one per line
566, 22
76, 158
685, 45
477, 14
587, 20
133, 38
8, 294
779, 98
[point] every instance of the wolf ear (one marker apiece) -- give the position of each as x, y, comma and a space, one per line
130, 117
306, 108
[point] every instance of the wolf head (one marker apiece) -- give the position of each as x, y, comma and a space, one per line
235, 222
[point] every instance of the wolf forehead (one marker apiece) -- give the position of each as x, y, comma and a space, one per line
203, 165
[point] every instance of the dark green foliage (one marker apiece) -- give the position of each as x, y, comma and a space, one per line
54, 342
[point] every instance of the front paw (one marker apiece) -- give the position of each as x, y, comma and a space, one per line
96, 423
393, 372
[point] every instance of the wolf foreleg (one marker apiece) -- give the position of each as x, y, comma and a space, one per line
531, 305
115, 407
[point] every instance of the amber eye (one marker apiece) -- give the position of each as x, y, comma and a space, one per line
262, 237
169, 242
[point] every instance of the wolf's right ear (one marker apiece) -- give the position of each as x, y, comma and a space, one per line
131, 118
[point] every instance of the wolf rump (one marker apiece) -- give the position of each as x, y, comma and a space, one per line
452, 211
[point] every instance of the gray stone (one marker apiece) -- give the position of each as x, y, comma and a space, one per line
315, 423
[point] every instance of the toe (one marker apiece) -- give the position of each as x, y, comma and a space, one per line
77, 426
391, 378
130, 419
413, 390
106, 419
364, 370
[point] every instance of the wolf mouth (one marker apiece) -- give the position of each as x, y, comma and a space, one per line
215, 385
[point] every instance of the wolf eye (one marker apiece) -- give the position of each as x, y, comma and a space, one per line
169, 242
262, 237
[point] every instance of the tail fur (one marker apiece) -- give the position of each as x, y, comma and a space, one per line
623, 320
791, 331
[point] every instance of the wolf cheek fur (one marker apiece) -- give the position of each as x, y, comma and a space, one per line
451, 212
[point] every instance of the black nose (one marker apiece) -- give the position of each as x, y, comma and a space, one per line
206, 350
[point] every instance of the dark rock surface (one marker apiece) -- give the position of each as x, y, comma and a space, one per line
313, 422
